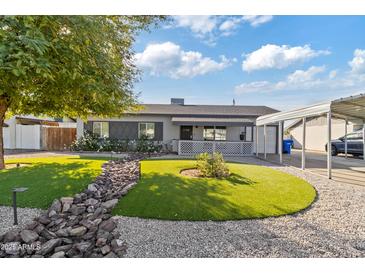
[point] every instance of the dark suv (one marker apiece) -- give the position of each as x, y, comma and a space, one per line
354, 144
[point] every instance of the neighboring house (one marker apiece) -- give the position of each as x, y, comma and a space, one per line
190, 129
30, 132
316, 132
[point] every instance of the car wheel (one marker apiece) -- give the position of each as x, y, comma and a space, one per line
334, 151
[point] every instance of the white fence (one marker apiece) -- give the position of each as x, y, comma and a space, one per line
28, 136
227, 148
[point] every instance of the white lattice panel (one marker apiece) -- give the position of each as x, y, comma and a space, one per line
226, 148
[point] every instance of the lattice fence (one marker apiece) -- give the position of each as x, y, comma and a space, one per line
190, 148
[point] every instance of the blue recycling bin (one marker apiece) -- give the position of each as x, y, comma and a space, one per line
287, 145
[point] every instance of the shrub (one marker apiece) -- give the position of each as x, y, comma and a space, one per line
212, 165
92, 142
87, 142
147, 145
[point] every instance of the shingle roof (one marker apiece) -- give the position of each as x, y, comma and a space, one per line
206, 110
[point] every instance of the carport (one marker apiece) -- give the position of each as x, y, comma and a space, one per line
349, 109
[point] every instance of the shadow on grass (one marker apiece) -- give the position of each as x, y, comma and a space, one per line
46, 181
171, 197
237, 179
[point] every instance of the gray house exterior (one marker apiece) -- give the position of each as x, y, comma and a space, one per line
190, 129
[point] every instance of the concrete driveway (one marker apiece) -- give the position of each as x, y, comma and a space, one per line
350, 170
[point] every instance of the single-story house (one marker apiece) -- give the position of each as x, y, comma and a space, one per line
316, 132
190, 129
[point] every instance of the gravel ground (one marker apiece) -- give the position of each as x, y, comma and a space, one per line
25, 215
334, 226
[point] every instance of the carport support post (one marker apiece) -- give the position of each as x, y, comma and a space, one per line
363, 141
265, 141
329, 146
346, 137
303, 143
257, 141
281, 141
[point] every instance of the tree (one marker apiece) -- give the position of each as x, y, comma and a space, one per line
73, 66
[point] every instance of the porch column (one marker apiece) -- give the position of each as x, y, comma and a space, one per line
346, 137
257, 141
329, 147
265, 141
281, 141
303, 143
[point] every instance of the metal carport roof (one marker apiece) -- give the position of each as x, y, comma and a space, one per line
349, 108
352, 108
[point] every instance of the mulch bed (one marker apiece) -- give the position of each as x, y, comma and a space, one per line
192, 172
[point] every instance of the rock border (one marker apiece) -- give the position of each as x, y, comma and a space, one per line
79, 226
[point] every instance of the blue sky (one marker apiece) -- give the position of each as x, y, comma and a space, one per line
279, 61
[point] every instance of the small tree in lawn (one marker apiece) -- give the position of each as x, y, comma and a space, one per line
72, 66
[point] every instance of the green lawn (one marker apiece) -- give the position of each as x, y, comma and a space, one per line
250, 192
47, 178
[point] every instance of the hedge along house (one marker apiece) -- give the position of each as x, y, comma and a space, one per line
190, 129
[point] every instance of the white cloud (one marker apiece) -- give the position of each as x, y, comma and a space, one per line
229, 26
169, 59
256, 20
278, 57
210, 28
299, 79
257, 86
332, 74
200, 24
357, 64
300, 76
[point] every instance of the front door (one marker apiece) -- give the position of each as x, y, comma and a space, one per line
186, 132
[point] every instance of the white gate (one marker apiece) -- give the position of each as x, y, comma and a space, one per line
28, 136
227, 148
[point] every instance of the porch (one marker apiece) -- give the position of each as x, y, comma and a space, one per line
227, 135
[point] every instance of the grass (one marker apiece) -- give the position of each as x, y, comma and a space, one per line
250, 192
47, 178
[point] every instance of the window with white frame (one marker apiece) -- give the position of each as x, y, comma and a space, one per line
218, 133
101, 129
146, 129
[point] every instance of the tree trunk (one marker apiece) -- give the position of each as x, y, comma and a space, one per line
3, 109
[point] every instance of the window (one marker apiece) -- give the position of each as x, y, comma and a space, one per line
354, 136
146, 129
217, 133
220, 133
101, 129
208, 133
